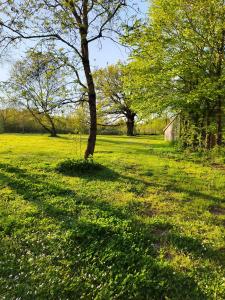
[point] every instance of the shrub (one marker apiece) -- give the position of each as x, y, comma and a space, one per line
78, 166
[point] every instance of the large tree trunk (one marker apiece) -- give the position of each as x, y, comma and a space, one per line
210, 137
207, 133
41, 123
91, 95
194, 118
53, 129
53, 132
219, 135
219, 122
93, 126
130, 124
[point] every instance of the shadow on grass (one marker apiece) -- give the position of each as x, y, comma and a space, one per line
133, 142
118, 250
192, 194
162, 150
100, 172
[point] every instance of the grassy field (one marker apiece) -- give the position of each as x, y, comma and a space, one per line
150, 225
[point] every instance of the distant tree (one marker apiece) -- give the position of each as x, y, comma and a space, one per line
42, 85
74, 24
113, 100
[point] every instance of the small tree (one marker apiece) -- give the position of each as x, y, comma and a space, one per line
41, 85
113, 100
75, 24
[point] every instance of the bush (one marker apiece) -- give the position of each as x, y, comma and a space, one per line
78, 166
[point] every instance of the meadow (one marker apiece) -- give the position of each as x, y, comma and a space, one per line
149, 225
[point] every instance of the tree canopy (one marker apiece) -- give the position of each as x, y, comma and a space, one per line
112, 98
42, 85
177, 64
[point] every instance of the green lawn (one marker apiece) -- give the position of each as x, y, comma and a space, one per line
150, 225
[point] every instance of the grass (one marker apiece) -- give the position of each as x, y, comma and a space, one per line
150, 225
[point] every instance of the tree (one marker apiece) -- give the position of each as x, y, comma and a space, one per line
75, 24
40, 84
178, 65
113, 100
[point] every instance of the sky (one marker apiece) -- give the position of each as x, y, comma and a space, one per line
108, 53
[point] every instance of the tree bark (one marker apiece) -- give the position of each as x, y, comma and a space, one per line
207, 133
219, 135
91, 91
93, 126
39, 121
130, 124
53, 130
219, 122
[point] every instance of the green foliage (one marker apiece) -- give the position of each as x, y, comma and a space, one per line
14, 120
42, 85
113, 102
76, 167
177, 65
152, 126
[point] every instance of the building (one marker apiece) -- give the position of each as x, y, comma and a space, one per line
172, 130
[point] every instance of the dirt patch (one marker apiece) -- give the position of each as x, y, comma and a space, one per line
160, 231
131, 167
146, 210
218, 166
217, 210
222, 250
148, 213
168, 256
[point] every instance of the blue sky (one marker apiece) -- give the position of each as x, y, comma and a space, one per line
109, 53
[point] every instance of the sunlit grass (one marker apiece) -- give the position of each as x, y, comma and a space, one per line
150, 225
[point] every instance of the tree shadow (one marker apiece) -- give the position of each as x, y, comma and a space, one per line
70, 137
132, 142
100, 172
104, 173
194, 193
110, 241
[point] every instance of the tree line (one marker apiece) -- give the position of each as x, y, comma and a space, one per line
20, 120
